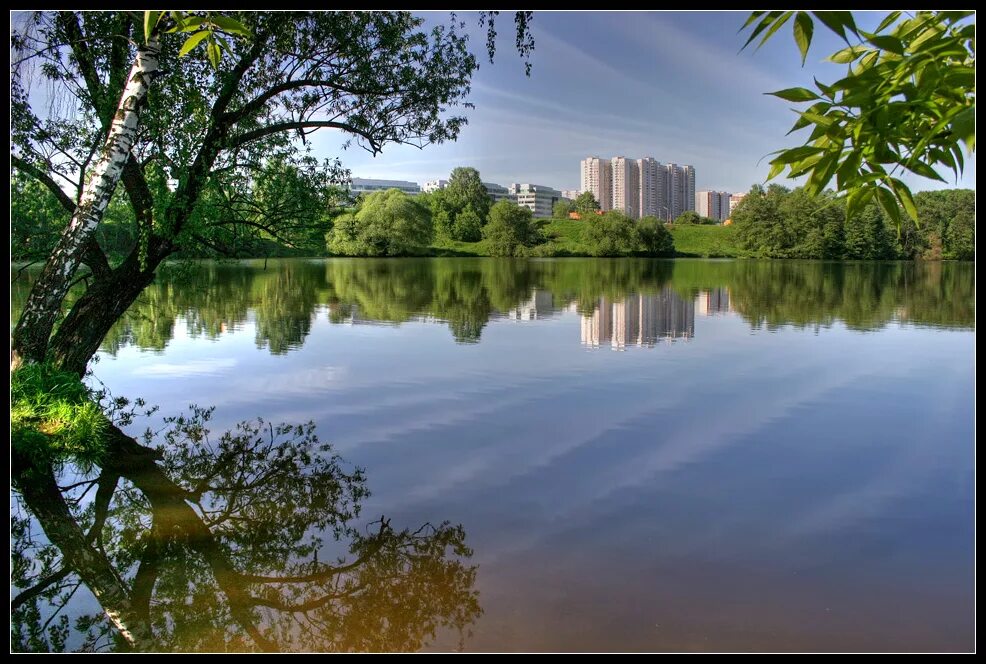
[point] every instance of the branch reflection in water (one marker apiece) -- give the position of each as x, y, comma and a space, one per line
245, 541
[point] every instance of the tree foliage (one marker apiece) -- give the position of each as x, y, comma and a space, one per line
611, 234
510, 228
586, 203
692, 217
654, 237
468, 226
906, 103
386, 223
562, 208
781, 223
205, 133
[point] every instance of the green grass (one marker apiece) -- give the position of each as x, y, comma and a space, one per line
53, 417
707, 241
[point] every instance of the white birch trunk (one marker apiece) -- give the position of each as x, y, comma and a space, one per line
30, 337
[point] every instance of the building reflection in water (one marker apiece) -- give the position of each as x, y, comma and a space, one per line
540, 305
639, 320
713, 302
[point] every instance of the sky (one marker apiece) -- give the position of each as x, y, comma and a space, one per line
668, 85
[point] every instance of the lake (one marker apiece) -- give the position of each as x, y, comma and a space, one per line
643, 455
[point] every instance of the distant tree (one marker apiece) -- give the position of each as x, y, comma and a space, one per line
937, 212
468, 225
586, 203
814, 224
465, 188
867, 237
760, 226
961, 237
36, 218
610, 234
561, 209
510, 227
655, 238
388, 223
689, 217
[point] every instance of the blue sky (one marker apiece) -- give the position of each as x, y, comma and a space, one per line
670, 85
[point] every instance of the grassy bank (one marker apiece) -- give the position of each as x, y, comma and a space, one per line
564, 238
707, 241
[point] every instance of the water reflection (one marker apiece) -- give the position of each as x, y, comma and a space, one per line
639, 320
283, 300
248, 541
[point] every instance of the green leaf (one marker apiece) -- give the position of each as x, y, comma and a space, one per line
804, 27
763, 25
775, 27
214, 55
753, 17
192, 42
796, 154
775, 170
888, 202
848, 171
923, 169
857, 200
964, 127
847, 54
837, 22
150, 21
230, 26
904, 195
891, 17
795, 94
887, 43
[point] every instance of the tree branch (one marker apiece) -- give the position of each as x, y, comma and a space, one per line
30, 169
27, 595
250, 136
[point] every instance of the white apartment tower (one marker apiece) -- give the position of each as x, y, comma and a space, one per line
626, 187
689, 187
676, 191
597, 177
651, 187
681, 189
640, 187
724, 211
714, 204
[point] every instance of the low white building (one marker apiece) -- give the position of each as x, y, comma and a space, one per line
370, 185
538, 197
499, 193
434, 185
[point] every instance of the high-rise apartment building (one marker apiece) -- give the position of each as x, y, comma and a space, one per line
652, 182
626, 187
570, 194
681, 189
597, 177
689, 183
714, 204
724, 198
734, 200
640, 187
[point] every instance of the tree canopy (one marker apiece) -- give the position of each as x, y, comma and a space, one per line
510, 228
386, 223
204, 132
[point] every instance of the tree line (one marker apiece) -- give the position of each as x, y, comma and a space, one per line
778, 222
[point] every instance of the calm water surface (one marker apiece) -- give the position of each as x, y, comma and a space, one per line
643, 455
